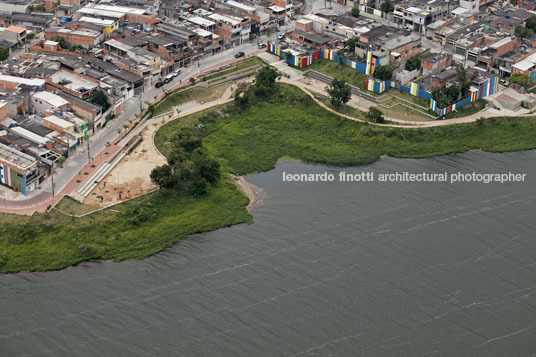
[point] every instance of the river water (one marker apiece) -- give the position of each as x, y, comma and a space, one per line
341, 269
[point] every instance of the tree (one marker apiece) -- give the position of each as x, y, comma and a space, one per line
288, 55
61, 41
445, 96
98, 97
189, 168
414, 62
266, 76
30, 35
461, 75
351, 43
521, 79
4, 53
340, 54
355, 12
61, 160
264, 81
454, 93
339, 92
375, 115
531, 23
387, 7
163, 176
385, 73
524, 32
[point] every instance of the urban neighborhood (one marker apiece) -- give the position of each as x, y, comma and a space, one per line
77, 77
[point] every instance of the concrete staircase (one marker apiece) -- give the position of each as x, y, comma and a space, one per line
327, 79
93, 180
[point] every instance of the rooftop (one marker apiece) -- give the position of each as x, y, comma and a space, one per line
51, 98
72, 81
16, 158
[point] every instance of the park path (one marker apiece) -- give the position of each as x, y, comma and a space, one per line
39, 202
43, 200
407, 124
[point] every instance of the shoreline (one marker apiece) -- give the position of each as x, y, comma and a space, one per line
252, 192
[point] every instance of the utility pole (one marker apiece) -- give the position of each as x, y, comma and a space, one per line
52, 177
88, 155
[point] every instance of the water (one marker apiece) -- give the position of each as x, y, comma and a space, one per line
370, 269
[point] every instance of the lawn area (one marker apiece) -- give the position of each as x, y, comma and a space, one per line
346, 109
356, 78
197, 94
396, 94
340, 71
404, 113
70, 206
468, 109
291, 124
237, 66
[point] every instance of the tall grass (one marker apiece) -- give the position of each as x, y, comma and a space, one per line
53, 241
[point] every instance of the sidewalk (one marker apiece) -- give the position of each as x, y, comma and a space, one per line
40, 201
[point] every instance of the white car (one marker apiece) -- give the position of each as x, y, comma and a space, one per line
176, 72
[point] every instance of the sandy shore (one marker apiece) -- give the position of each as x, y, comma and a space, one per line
251, 191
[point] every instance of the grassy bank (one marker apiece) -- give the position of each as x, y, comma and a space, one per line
197, 94
235, 67
291, 124
135, 229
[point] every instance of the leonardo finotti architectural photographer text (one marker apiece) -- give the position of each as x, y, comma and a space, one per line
370, 176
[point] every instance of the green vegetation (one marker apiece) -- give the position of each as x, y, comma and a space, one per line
351, 43
468, 109
375, 115
445, 96
98, 97
339, 92
61, 40
414, 62
340, 71
235, 67
524, 32
465, 83
198, 94
189, 168
384, 73
290, 124
387, 6
140, 228
521, 79
284, 122
344, 109
4, 53
355, 12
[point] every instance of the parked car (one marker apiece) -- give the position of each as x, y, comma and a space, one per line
281, 37
168, 78
239, 54
262, 45
159, 84
176, 72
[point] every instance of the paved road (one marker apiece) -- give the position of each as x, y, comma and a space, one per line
97, 142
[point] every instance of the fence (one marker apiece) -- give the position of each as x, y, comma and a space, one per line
487, 87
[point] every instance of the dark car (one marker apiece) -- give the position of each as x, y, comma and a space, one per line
239, 54
159, 84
